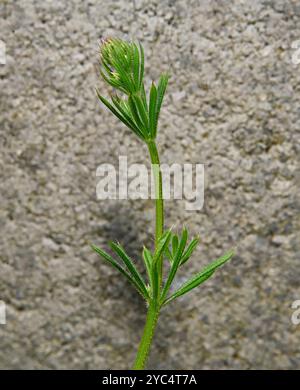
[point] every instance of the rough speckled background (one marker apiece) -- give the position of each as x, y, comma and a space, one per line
232, 103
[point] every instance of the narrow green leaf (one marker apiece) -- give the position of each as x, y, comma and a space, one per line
126, 115
136, 65
192, 284
121, 70
152, 272
162, 245
135, 115
152, 110
119, 115
175, 264
113, 82
130, 266
218, 262
199, 278
168, 254
157, 261
143, 96
182, 244
161, 89
148, 260
112, 109
155, 279
106, 67
114, 263
190, 249
174, 244
142, 60
143, 115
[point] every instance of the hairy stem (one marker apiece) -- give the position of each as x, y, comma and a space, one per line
158, 190
145, 344
153, 310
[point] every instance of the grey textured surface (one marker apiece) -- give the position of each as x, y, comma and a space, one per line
232, 103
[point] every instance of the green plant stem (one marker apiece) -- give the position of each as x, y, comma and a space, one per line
159, 203
145, 344
158, 190
153, 310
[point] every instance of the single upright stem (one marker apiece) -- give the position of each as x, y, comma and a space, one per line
145, 344
154, 306
159, 205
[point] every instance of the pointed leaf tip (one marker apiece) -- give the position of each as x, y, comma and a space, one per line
201, 277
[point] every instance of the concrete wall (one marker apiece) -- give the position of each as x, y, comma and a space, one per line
232, 103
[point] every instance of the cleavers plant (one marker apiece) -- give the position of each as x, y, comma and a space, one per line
122, 67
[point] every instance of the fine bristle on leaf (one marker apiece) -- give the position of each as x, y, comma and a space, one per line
130, 124
109, 259
117, 248
190, 249
161, 89
152, 110
199, 278
175, 263
162, 244
148, 261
